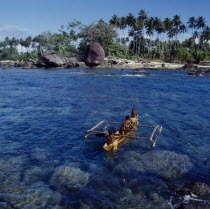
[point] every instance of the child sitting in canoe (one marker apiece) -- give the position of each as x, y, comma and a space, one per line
120, 133
128, 125
134, 117
110, 137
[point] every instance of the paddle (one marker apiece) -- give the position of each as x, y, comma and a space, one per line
101, 134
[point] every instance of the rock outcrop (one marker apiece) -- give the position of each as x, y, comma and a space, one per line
190, 67
52, 59
94, 55
200, 72
118, 61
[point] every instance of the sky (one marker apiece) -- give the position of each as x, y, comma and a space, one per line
21, 18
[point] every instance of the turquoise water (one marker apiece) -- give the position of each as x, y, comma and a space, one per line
46, 163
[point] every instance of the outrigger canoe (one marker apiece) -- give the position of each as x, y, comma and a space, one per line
120, 138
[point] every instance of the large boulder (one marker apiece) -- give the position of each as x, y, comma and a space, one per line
94, 55
52, 59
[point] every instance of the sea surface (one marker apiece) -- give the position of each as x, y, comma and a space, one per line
45, 162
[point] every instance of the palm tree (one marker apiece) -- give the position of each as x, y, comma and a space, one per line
115, 21
168, 24
183, 30
132, 23
160, 28
192, 23
143, 17
205, 35
200, 23
131, 20
177, 22
122, 25
150, 26
169, 30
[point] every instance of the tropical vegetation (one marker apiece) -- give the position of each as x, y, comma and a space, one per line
132, 37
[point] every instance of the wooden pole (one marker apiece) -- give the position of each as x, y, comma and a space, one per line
134, 125
152, 135
92, 129
98, 132
103, 121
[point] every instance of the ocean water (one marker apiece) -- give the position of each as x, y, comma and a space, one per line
45, 162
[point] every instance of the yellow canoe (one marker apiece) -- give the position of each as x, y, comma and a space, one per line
134, 121
117, 141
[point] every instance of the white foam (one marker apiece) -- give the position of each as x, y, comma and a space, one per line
193, 197
133, 75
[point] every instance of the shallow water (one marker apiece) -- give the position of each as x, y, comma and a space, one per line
46, 163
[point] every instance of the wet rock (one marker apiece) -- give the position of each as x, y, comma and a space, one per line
200, 189
194, 205
200, 72
38, 195
4, 205
165, 164
36, 174
40, 64
7, 64
11, 170
66, 177
190, 67
40, 155
94, 55
28, 65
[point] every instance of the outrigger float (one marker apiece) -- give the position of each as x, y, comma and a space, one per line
120, 138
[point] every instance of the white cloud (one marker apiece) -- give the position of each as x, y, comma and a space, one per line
12, 31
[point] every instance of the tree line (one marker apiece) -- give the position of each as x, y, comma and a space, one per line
131, 37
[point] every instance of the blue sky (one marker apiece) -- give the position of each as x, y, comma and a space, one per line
21, 18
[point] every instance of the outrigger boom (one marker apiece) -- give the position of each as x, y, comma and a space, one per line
153, 138
92, 129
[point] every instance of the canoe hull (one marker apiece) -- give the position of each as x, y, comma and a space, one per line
116, 143
134, 121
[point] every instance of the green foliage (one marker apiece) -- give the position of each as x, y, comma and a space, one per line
102, 32
183, 54
70, 51
120, 51
8, 53
199, 56
34, 55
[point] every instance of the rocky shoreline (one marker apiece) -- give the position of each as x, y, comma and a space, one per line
95, 57
112, 62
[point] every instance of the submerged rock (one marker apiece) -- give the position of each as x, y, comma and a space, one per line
194, 205
66, 177
38, 195
36, 174
40, 155
165, 164
200, 189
